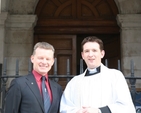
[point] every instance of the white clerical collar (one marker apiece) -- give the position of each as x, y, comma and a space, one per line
92, 70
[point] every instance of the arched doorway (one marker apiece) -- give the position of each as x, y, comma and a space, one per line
64, 23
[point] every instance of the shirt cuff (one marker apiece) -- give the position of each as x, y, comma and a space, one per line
105, 109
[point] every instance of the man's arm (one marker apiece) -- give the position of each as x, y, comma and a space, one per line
12, 100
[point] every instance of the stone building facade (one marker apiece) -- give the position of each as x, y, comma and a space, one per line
17, 22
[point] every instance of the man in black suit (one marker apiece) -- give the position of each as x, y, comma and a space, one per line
25, 93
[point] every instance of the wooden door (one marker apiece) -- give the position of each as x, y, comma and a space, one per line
65, 49
112, 51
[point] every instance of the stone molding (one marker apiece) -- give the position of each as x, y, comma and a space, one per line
21, 21
129, 21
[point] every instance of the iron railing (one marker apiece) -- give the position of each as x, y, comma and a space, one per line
136, 96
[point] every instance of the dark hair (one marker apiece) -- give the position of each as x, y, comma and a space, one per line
92, 39
43, 45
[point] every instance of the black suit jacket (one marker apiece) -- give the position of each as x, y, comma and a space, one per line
24, 96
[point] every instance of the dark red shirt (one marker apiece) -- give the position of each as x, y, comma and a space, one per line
39, 83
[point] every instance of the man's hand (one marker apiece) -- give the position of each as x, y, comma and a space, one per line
81, 111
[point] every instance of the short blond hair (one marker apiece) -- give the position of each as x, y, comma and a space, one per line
43, 45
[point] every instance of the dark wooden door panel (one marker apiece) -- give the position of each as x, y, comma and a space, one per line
112, 49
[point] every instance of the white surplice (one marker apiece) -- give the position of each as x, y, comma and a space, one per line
107, 88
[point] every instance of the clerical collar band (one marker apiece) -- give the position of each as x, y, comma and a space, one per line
97, 71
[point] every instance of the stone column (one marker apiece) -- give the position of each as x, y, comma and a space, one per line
19, 42
3, 17
130, 25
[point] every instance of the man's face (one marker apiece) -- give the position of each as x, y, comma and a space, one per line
42, 60
92, 54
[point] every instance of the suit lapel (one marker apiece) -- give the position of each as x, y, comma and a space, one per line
34, 88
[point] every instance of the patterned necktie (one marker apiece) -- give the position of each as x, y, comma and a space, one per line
46, 97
